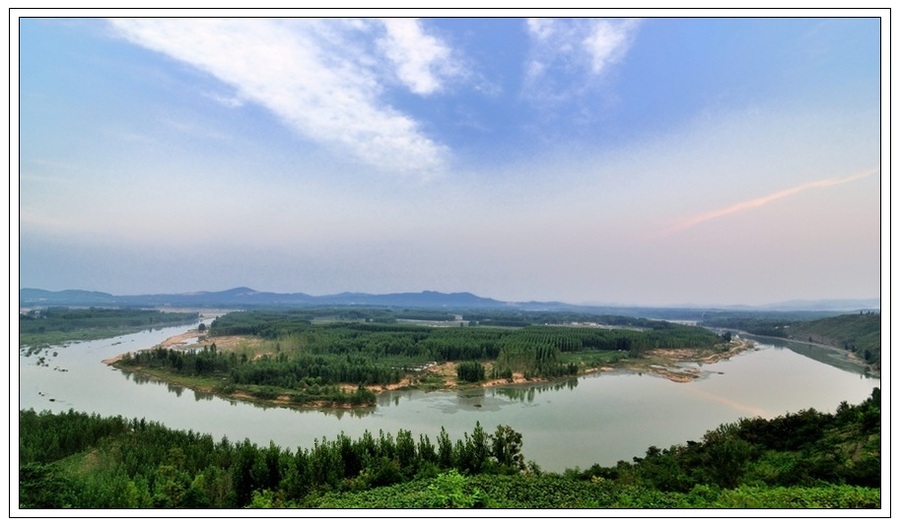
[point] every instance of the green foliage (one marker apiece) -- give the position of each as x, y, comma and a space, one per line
829, 496
506, 446
557, 492
448, 491
267, 324
44, 486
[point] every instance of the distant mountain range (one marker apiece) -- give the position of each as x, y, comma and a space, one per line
243, 297
246, 297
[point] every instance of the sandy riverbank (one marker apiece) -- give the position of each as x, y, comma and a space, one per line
197, 338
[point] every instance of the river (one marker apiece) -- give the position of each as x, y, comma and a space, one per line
598, 419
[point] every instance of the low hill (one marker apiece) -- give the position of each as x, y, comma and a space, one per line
859, 333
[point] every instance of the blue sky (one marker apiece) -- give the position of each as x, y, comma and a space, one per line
629, 160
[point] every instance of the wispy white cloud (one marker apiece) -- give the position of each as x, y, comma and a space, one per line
584, 48
422, 61
319, 76
764, 200
229, 101
541, 28
608, 42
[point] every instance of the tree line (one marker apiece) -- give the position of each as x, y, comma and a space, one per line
805, 459
87, 461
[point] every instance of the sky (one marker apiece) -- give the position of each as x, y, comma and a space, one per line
645, 161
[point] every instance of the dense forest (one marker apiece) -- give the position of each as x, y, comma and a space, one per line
858, 333
803, 460
304, 362
54, 325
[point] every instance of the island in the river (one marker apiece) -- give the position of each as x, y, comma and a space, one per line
311, 358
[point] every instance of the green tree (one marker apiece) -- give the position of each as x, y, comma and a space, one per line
470, 371
506, 446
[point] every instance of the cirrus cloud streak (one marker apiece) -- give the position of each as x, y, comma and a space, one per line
764, 200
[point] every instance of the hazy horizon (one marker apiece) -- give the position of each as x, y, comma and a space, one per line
655, 161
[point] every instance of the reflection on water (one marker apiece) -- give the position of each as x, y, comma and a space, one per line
820, 353
356, 412
202, 396
527, 393
473, 397
144, 379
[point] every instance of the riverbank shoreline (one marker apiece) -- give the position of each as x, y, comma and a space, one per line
849, 356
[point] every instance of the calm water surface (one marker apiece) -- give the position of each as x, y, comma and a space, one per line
575, 423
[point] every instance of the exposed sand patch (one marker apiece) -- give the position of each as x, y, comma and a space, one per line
669, 363
223, 343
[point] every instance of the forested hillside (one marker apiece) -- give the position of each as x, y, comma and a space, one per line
803, 460
859, 333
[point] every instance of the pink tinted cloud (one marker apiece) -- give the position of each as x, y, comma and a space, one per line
764, 200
